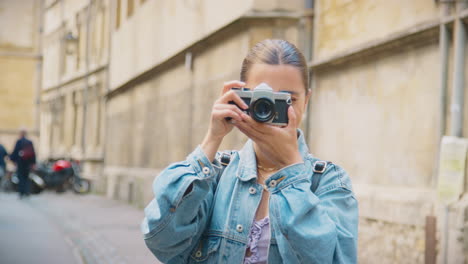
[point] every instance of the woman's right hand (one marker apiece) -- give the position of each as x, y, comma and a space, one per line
219, 127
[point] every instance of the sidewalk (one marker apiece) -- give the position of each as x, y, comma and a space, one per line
102, 230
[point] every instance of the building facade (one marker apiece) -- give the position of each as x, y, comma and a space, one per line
128, 87
75, 80
20, 65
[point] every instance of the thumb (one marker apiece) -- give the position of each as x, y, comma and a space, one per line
292, 119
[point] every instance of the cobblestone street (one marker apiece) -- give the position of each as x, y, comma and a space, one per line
68, 228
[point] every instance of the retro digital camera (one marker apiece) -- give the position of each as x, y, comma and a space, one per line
265, 105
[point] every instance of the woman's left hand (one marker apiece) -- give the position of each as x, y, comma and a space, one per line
278, 144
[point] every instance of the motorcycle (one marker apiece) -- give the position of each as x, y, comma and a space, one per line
61, 175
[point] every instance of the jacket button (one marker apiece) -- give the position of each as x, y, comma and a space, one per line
252, 190
239, 228
206, 170
198, 254
272, 183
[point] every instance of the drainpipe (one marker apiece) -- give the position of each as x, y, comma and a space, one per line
444, 50
189, 68
39, 69
111, 9
53, 114
86, 81
456, 107
111, 18
444, 45
308, 33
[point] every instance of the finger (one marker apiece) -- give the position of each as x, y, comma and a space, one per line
223, 114
233, 108
231, 84
254, 133
292, 119
232, 96
228, 106
260, 128
247, 131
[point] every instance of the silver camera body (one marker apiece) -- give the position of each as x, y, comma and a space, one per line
265, 105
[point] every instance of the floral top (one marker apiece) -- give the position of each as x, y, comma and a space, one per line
259, 239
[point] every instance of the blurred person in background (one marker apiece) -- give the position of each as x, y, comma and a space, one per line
24, 157
3, 154
271, 202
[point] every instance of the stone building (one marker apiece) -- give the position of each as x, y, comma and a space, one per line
20, 64
75, 80
128, 87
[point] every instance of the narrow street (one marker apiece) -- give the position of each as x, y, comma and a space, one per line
67, 228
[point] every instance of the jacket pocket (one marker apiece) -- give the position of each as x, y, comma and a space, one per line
206, 247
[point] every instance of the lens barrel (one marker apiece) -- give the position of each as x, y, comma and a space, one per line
263, 110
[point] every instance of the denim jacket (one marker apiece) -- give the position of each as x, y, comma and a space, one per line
202, 212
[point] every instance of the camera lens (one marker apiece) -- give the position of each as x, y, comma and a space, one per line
263, 109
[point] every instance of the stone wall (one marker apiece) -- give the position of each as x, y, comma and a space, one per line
158, 29
341, 25
380, 109
376, 110
375, 106
390, 243
75, 80
19, 64
164, 118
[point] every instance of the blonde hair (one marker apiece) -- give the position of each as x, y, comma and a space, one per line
275, 52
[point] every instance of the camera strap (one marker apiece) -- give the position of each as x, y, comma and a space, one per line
319, 167
225, 158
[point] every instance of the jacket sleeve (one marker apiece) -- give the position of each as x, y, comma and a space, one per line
15, 154
178, 214
320, 227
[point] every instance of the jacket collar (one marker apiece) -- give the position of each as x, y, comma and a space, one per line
247, 168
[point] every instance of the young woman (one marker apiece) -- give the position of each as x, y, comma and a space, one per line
263, 206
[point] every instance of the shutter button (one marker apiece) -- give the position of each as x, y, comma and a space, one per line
206, 170
252, 190
239, 228
272, 183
